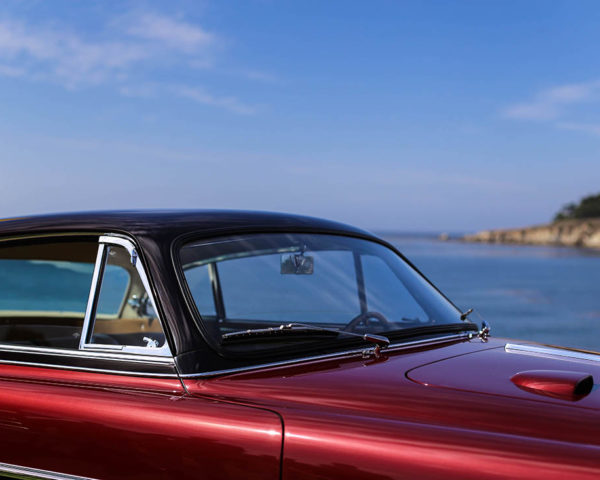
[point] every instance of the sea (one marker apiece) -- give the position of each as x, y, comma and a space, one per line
544, 294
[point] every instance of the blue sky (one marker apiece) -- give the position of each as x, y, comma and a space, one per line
439, 115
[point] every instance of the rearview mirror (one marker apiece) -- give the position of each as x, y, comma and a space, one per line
297, 264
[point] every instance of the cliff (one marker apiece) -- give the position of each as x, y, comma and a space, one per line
570, 233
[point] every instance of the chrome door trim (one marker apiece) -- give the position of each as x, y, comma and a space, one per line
393, 348
89, 369
542, 351
28, 473
88, 354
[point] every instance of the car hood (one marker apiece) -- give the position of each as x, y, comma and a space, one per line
467, 384
521, 371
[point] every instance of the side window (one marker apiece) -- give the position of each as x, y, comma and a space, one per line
125, 313
44, 290
116, 280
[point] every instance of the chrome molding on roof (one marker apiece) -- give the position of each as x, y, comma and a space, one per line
393, 347
541, 351
27, 473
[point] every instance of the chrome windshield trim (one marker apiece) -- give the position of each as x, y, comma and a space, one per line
88, 369
27, 473
550, 352
136, 358
359, 351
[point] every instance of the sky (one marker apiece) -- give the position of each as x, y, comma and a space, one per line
389, 115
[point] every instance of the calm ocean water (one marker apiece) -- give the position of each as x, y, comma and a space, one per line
546, 294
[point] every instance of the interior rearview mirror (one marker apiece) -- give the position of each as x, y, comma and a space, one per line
297, 264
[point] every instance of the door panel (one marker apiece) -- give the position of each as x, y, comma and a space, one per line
123, 427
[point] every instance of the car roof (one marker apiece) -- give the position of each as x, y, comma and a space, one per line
170, 223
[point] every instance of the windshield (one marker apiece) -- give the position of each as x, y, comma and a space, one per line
267, 280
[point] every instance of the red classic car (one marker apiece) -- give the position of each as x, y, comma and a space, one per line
223, 344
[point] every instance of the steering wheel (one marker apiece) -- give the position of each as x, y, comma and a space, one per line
364, 318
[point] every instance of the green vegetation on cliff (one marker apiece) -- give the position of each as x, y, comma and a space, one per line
588, 207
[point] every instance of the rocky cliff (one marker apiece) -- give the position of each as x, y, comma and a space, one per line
571, 233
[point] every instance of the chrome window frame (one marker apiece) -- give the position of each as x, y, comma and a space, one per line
88, 322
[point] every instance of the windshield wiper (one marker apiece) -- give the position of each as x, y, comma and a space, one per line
301, 329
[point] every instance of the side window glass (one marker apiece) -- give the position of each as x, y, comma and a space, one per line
116, 281
44, 289
125, 314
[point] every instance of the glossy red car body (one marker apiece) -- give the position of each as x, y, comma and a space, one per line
455, 406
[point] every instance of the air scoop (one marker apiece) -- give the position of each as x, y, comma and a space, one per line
562, 384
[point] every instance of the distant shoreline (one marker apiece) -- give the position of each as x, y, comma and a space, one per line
583, 233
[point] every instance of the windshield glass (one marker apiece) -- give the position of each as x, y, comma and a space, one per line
267, 280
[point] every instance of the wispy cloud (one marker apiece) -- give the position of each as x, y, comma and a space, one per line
64, 57
176, 34
199, 95
117, 56
551, 104
566, 107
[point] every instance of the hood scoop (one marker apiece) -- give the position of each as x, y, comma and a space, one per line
561, 384
495, 371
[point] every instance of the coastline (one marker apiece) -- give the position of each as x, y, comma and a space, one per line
582, 233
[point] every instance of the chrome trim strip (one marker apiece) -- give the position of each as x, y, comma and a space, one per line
86, 369
550, 351
393, 347
90, 310
88, 354
35, 473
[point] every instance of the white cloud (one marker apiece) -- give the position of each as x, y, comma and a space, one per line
63, 57
200, 95
531, 111
137, 42
174, 33
16, 39
550, 104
